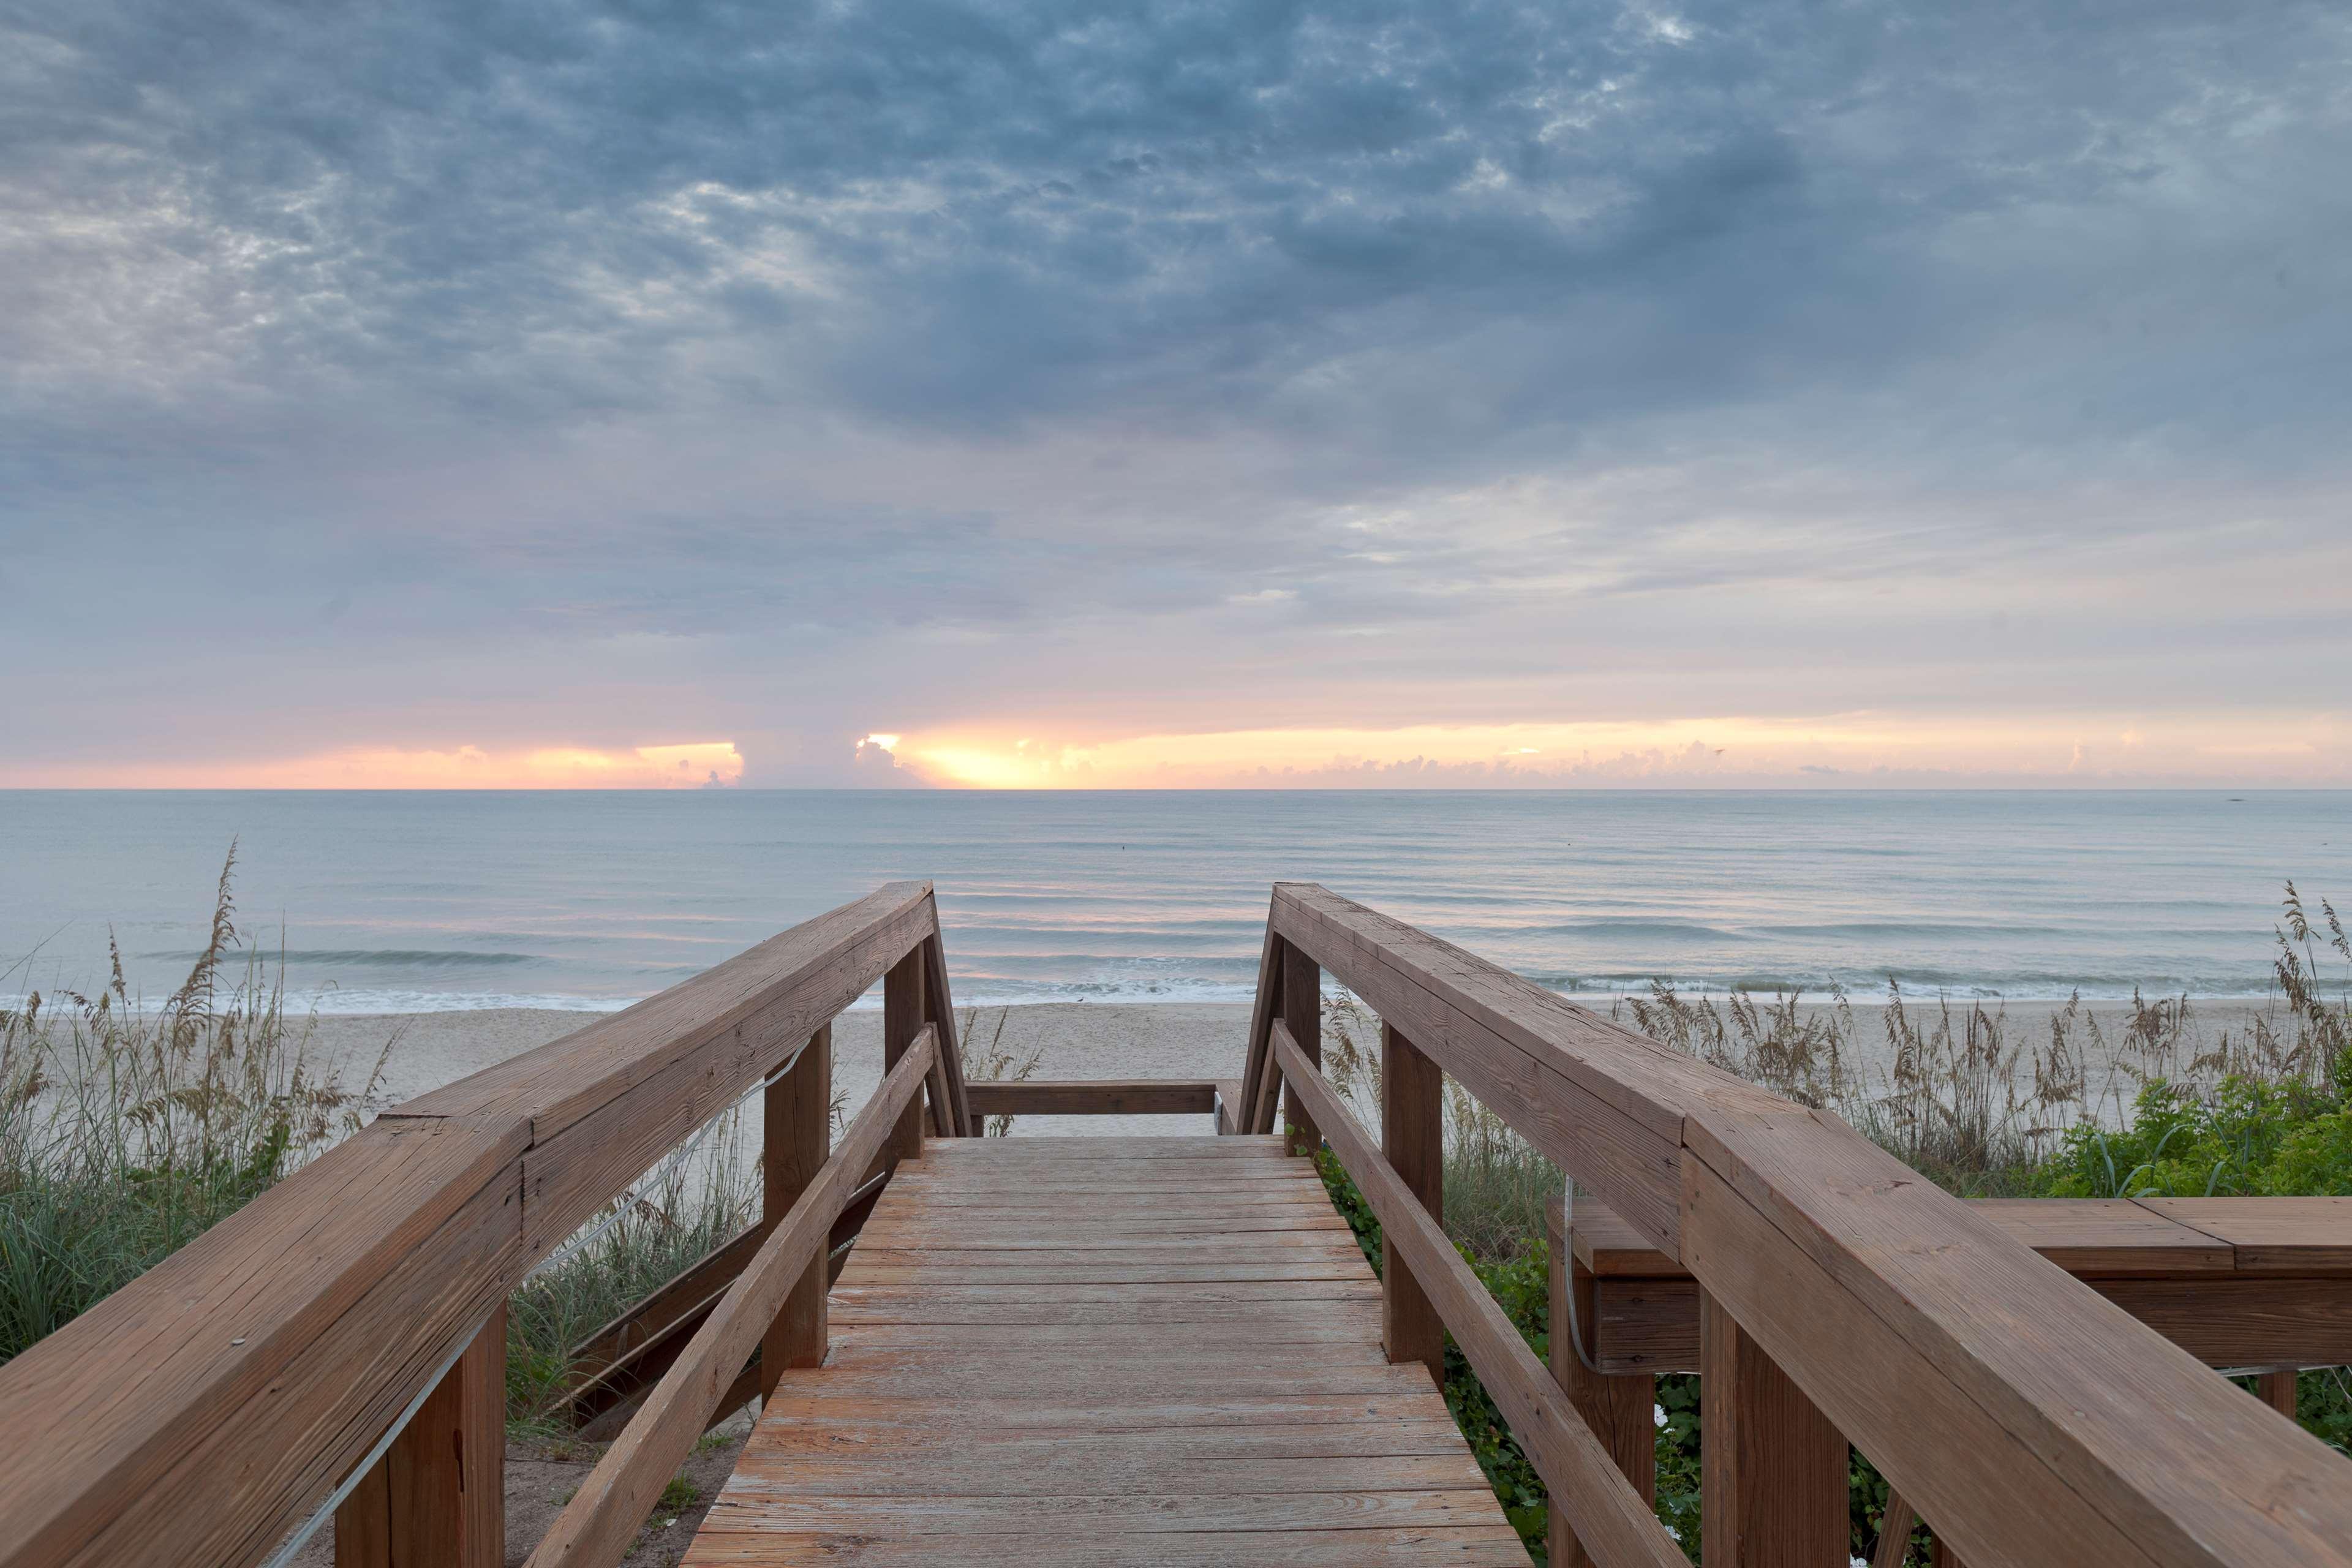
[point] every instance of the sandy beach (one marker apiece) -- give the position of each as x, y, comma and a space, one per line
1070, 1040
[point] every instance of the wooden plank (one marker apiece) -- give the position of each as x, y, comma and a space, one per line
902, 1021
1648, 1326
1233, 1153
1773, 1492
756, 1006
1084, 1273
437, 1498
1413, 1141
1895, 1528
748, 1507
1288, 1244
1419, 1546
1354, 1335
2278, 1390
1601, 1505
1107, 1097
2263, 1320
907, 1435
1302, 1015
2086, 1236
1651, 1325
598, 1524
1136, 1421
1056, 1469
797, 1141
2271, 1236
993, 1227
1618, 1409
1066, 1304
275, 1348
808, 1405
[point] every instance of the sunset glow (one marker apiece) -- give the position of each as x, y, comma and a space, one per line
1817, 750
701, 764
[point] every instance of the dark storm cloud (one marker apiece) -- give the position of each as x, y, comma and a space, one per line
617, 320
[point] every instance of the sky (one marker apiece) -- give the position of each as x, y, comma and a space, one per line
1192, 395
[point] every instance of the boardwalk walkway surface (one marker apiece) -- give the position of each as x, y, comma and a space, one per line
1105, 1351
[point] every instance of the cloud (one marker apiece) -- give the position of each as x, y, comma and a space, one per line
585, 373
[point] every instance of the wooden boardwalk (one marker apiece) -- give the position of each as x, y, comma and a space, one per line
1106, 1351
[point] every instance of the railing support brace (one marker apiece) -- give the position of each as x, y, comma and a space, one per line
799, 1138
1412, 1133
1772, 1478
437, 1498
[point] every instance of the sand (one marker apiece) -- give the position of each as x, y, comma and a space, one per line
1070, 1040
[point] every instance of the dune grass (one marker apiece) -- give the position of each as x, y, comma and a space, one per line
125, 1131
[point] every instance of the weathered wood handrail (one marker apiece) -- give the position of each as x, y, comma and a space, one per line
2028, 1419
596, 1528
202, 1412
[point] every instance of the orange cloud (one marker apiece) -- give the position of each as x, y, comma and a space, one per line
698, 764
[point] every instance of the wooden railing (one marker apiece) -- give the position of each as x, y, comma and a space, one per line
1842, 1299
205, 1413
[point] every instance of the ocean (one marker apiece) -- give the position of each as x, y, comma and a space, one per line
405, 901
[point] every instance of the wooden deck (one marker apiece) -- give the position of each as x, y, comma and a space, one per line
1106, 1351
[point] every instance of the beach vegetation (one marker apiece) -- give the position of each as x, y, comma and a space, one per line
128, 1128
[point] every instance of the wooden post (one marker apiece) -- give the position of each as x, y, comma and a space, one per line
2277, 1389
1302, 1014
437, 1498
1619, 1410
799, 1136
1413, 1140
1773, 1470
902, 1020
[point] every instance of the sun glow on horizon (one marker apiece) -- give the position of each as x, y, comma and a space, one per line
1731, 748
697, 764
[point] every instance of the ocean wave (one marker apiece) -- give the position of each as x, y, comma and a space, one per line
384, 957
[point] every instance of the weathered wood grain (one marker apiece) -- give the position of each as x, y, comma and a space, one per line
1133, 1420
437, 1498
1413, 1141
1302, 1015
1108, 1096
1416, 1546
903, 1011
762, 1000
797, 1136
2271, 1236
1772, 1491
